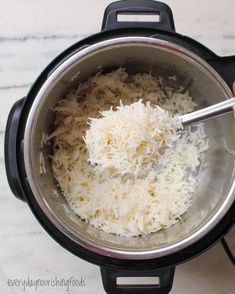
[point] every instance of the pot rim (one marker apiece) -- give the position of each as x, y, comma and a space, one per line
28, 154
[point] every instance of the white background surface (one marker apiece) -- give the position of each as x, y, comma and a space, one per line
32, 32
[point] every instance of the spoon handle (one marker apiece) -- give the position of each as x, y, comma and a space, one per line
210, 112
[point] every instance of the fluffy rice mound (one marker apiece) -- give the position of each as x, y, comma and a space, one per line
130, 139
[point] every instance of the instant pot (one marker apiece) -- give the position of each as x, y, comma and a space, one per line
139, 46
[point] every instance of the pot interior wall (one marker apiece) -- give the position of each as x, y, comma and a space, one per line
216, 174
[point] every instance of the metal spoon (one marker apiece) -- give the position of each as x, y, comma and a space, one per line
207, 113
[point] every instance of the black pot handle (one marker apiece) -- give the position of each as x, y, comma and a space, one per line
225, 66
161, 11
11, 143
163, 285
228, 251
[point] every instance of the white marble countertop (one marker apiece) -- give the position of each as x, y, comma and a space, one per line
31, 34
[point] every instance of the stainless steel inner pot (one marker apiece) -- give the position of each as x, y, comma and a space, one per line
137, 54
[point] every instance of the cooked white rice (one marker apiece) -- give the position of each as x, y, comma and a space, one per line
130, 140
121, 204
